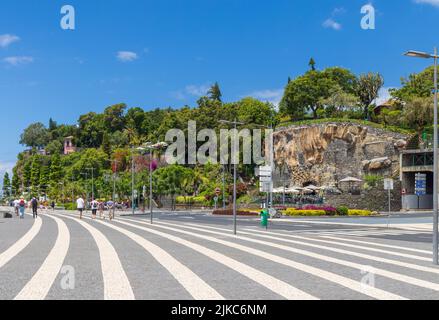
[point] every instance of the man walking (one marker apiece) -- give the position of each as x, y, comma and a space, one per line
34, 204
80, 204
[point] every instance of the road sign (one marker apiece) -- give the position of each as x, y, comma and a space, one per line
265, 171
420, 184
265, 179
388, 184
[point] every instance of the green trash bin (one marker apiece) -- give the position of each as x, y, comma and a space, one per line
264, 218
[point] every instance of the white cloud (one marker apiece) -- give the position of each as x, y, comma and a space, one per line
191, 90
18, 60
273, 96
197, 90
7, 39
127, 56
431, 2
332, 24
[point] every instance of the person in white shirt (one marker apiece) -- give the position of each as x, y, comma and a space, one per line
80, 204
16, 206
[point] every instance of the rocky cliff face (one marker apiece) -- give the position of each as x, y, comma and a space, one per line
323, 154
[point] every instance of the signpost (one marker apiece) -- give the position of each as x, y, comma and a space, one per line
388, 185
420, 185
266, 180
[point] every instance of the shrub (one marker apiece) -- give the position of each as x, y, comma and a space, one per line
361, 213
304, 213
240, 212
330, 211
373, 180
342, 211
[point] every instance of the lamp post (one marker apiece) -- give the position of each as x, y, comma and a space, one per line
235, 124
433, 56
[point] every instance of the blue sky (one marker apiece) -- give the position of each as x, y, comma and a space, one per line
166, 53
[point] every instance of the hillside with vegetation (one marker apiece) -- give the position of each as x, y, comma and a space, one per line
105, 141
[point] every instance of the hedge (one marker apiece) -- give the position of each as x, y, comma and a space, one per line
318, 213
362, 213
229, 212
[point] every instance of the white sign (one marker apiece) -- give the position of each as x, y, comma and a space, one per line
266, 187
388, 184
265, 179
265, 171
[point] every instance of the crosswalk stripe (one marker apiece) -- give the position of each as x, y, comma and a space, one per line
275, 285
19, 246
38, 287
335, 278
378, 244
340, 243
197, 287
116, 283
382, 272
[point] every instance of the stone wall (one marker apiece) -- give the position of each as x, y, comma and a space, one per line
323, 154
375, 199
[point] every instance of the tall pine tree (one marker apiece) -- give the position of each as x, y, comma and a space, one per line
6, 186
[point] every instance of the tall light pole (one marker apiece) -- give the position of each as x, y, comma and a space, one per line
235, 124
433, 56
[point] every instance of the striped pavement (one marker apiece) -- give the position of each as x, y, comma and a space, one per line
58, 256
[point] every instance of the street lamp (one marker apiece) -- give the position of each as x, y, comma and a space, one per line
418, 54
235, 124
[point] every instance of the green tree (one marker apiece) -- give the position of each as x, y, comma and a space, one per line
416, 85
305, 94
106, 146
312, 64
35, 136
214, 92
6, 186
16, 182
55, 175
54, 147
367, 89
44, 178
418, 113
35, 174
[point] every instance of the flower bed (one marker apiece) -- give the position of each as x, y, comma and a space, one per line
240, 212
313, 211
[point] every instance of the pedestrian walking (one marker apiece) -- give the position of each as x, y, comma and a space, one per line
52, 205
80, 204
16, 206
22, 207
111, 209
94, 208
101, 206
34, 205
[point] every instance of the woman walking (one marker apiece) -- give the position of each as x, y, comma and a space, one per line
22, 208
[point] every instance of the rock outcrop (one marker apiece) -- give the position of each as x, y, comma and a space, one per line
325, 153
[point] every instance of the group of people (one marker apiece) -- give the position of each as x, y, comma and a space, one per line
21, 204
95, 207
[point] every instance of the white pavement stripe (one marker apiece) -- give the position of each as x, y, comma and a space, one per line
366, 246
18, 246
197, 287
375, 233
116, 283
376, 244
382, 272
38, 287
329, 276
275, 285
341, 243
